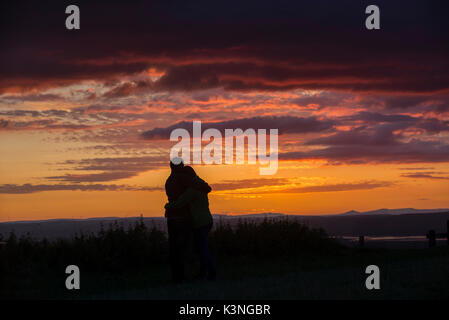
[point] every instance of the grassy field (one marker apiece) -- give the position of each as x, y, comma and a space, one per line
411, 276
250, 266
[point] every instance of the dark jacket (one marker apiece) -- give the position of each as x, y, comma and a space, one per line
174, 187
176, 184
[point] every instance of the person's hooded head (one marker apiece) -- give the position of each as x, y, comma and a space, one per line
176, 164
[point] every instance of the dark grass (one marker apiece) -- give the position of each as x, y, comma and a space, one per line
268, 260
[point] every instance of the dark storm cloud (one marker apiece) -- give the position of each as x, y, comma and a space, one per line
248, 183
285, 124
236, 185
251, 45
118, 163
382, 135
340, 187
94, 177
30, 188
32, 97
39, 125
343, 75
373, 117
112, 168
80, 118
406, 102
324, 99
383, 124
424, 175
128, 88
414, 151
3, 124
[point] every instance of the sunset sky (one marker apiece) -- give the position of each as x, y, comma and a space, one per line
85, 115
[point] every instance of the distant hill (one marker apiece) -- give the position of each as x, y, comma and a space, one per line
393, 211
383, 222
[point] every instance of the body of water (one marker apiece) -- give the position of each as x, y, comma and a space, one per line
392, 241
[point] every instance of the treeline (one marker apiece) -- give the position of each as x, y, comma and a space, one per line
138, 247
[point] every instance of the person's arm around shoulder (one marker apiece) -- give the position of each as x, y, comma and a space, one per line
183, 199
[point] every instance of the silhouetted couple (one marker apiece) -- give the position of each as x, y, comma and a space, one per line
187, 213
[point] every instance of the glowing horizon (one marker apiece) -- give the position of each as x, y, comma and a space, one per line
85, 115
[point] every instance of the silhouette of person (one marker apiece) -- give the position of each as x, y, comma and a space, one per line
178, 221
195, 197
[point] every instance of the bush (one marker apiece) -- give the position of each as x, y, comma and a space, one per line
111, 250
269, 238
138, 248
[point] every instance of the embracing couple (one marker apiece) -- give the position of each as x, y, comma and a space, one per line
187, 213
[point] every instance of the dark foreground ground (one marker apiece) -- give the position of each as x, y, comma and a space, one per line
405, 274
272, 260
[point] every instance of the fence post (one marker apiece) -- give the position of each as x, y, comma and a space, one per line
432, 238
361, 241
447, 231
